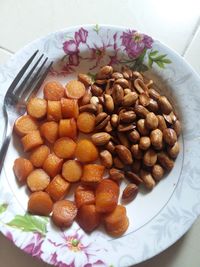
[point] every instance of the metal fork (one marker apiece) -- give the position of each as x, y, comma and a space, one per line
19, 92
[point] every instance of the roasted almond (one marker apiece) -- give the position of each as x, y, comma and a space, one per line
130, 192
124, 154
85, 79
88, 108
116, 175
133, 177
101, 138
106, 158
130, 99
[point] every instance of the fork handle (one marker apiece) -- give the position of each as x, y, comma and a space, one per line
4, 147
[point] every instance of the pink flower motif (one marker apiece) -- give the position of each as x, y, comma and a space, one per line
81, 36
70, 47
135, 43
74, 59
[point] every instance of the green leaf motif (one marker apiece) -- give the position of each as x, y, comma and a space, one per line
92, 76
3, 207
159, 60
29, 223
96, 28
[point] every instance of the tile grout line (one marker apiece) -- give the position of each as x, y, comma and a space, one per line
7, 50
192, 37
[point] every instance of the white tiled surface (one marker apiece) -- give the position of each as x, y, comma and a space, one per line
174, 22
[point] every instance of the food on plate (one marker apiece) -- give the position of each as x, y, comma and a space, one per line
88, 136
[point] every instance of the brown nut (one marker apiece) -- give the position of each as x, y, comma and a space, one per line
117, 94
114, 120
161, 123
86, 98
134, 136
156, 137
94, 100
150, 157
126, 127
147, 179
144, 99
165, 161
154, 94
88, 108
177, 127
141, 111
101, 120
85, 79
124, 154
142, 128
101, 82
130, 192
129, 99
110, 147
136, 165
109, 104
169, 136
118, 163
123, 139
99, 108
151, 121
101, 138
108, 127
153, 106
127, 116
136, 151
117, 75
140, 86
157, 172
134, 178
127, 91
116, 175
174, 150
106, 158
144, 143
96, 90
164, 105
105, 72
123, 82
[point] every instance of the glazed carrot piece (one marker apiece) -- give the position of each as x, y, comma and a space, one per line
86, 122
84, 195
64, 213
58, 188
38, 180
22, 168
54, 110
72, 171
39, 155
53, 91
88, 218
64, 148
92, 174
40, 203
69, 108
86, 151
52, 165
67, 128
107, 194
75, 89
49, 130
31, 140
25, 124
37, 107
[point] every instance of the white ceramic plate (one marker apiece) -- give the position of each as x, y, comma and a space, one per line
158, 218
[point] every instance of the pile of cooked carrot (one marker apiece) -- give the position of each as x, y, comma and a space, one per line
57, 158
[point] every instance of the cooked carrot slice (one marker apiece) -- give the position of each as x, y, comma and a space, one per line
86, 151
37, 107
84, 195
52, 165
39, 155
86, 122
64, 148
49, 130
53, 91
116, 232
25, 124
67, 128
75, 89
22, 168
107, 194
88, 218
58, 188
72, 171
31, 140
54, 111
69, 108
92, 174
64, 213
40, 203
38, 180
